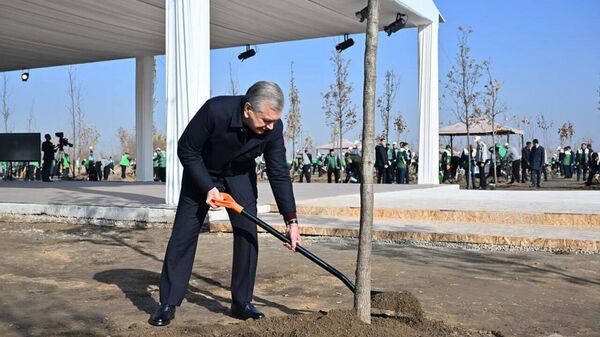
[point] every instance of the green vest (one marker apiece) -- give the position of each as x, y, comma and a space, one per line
65, 161
124, 160
390, 154
401, 163
162, 159
332, 162
568, 159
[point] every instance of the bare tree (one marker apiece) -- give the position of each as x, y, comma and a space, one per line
566, 132
73, 106
127, 141
544, 125
339, 110
233, 84
159, 139
386, 101
5, 103
399, 125
362, 295
89, 136
293, 122
462, 82
31, 118
308, 143
493, 107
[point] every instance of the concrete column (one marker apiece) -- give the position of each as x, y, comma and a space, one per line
188, 76
428, 104
144, 68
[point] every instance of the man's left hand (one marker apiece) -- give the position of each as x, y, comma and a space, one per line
293, 233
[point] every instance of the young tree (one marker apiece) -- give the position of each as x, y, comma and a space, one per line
233, 84
462, 82
308, 143
89, 137
31, 118
5, 104
339, 110
544, 125
73, 106
493, 107
399, 125
127, 141
159, 139
362, 296
386, 101
566, 132
293, 122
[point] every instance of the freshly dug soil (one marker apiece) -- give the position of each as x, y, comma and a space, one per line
336, 323
403, 304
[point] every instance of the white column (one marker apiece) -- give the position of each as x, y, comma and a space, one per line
144, 67
428, 104
188, 76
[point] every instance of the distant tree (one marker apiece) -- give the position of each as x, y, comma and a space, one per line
544, 125
89, 137
5, 103
566, 132
74, 108
127, 141
462, 85
159, 139
308, 144
399, 125
233, 84
340, 113
493, 107
31, 118
293, 123
385, 102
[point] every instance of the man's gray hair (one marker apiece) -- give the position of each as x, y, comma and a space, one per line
262, 92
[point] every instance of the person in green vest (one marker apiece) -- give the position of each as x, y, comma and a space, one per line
155, 166
125, 160
162, 164
66, 165
567, 163
402, 161
390, 159
445, 163
333, 165
320, 162
582, 161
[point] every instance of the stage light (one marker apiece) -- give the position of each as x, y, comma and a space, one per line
247, 54
24, 76
396, 25
362, 14
347, 43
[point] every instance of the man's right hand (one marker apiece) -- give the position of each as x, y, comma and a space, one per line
213, 194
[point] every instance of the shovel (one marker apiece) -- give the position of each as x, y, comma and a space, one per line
230, 203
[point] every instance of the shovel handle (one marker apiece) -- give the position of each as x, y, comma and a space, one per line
230, 203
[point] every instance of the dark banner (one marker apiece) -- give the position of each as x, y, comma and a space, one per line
20, 146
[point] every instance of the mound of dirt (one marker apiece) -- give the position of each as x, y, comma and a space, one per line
401, 304
336, 323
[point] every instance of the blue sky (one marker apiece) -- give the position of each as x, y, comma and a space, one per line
546, 54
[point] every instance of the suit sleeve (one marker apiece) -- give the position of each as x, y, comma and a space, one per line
190, 146
278, 174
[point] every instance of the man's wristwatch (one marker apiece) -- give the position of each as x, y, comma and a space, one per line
291, 222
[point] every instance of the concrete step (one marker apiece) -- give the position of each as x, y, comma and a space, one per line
524, 235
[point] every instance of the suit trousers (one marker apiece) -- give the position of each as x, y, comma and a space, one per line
336, 174
516, 167
181, 250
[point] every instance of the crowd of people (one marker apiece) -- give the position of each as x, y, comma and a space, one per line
529, 164
56, 163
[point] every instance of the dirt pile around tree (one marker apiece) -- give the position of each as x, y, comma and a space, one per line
409, 321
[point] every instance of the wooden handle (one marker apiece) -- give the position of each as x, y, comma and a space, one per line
228, 202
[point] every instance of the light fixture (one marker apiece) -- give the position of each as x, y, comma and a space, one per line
24, 75
396, 25
362, 14
347, 43
247, 54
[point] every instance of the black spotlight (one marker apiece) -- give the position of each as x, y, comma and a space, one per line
24, 76
347, 43
396, 25
362, 14
247, 54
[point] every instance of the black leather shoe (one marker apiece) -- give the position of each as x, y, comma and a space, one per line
163, 315
246, 311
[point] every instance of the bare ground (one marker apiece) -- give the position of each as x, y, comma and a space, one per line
66, 280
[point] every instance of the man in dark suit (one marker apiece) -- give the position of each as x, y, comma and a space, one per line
537, 159
218, 150
381, 160
525, 165
49, 150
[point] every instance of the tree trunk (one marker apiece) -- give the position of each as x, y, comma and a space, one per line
362, 296
494, 152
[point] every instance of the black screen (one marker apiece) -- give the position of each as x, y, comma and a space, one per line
20, 146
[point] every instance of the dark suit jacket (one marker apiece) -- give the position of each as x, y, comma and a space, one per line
216, 146
48, 149
381, 158
537, 158
525, 152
